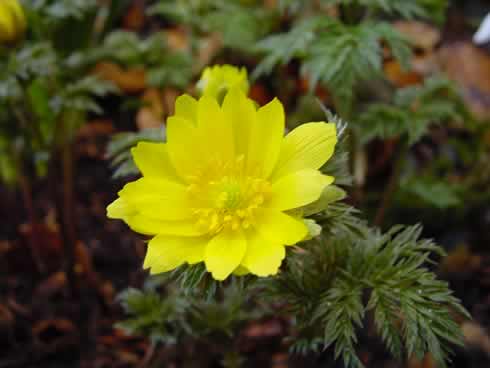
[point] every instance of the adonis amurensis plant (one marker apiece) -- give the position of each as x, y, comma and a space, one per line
237, 209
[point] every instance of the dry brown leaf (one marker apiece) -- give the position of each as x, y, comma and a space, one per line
128, 80
475, 335
152, 112
52, 285
426, 64
177, 39
427, 362
320, 91
259, 94
6, 316
421, 35
264, 329
469, 67
400, 77
169, 97
460, 259
208, 49
135, 17
280, 360
107, 292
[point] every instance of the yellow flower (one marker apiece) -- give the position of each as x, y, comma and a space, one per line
222, 190
217, 80
12, 20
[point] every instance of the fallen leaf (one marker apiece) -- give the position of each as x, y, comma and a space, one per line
280, 360
421, 35
259, 93
6, 316
264, 329
134, 19
469, 67
399, 77
177, 39
460, 260
128, 80
476, 335
52, 285
208, 48
151, 114
169, 97
427, 362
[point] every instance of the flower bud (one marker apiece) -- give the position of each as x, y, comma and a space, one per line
217, 80
12, 21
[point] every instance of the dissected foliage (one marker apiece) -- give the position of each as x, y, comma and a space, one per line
413, 111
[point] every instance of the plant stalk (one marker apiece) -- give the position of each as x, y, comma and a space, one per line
27, 198
403, 148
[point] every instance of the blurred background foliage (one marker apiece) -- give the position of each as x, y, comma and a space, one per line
409, 92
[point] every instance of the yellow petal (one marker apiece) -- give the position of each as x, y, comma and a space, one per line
166, 252
263, 257
7, 25
277, 227
152, 159
158, 198
149, 226
224, 253
186, 107
185, 148
308, 146
214, 129
266, 138
240, 112
298, 189
119, 209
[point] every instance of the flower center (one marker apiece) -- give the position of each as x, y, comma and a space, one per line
227, 197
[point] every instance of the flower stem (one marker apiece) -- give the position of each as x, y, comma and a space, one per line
68, 221
27, 198
393, 181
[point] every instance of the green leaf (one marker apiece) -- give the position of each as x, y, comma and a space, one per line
280, 49
432, 191
329, 195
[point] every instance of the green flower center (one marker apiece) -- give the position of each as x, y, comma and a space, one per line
225, 196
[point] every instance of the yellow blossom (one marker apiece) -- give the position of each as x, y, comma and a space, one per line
225, 187
217, 80
12, 20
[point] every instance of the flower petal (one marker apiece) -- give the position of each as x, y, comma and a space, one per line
186, 107
266, 138
214, 129
158, 198
308, 146
263, 257
240, 112
224, 253
298, 189
119, 209
152, 159
185, 148
166, 253
149, 226
277, 227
